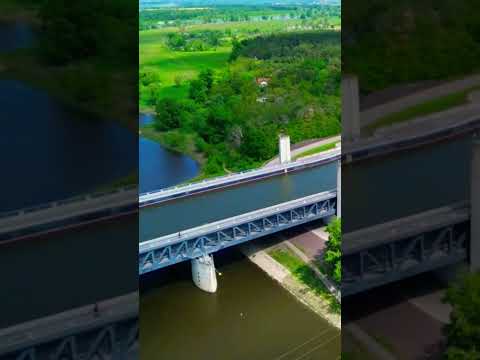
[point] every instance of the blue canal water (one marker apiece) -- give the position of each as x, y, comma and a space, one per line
160, 168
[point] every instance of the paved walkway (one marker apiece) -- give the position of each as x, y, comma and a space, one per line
301, 149
371, 115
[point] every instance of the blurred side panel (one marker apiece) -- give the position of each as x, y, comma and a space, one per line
69, 193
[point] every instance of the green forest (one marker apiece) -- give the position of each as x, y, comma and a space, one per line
85, 54
231, 122
387, 42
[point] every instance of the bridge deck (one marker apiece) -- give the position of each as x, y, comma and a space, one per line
232, 221
66, 209
162, 195
68, 323
405, 227
416, 132
206, 239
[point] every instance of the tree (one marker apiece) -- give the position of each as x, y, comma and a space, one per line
197, 91
206, 76
168, 114
463, 331
332, 255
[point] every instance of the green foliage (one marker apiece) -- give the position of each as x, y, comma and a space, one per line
76, 30
195, 41
333, 250
305, 275
324, 15
232, 128
168, 115
463, 331
389, 42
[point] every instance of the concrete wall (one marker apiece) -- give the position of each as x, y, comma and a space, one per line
475, 204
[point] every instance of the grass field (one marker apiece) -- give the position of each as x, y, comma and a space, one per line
316, 150
169, 64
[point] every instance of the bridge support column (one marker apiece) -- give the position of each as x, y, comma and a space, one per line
475, 206
284, 149
203, 273
350, 108
339, 189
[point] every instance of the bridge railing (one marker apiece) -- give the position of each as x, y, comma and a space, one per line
72, 200
189, 244
243, 174
404, 247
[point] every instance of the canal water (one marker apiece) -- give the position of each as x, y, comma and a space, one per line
161, 168
405, 183
250, 317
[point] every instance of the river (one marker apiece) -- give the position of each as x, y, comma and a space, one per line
161, 168
48, 150
250, 317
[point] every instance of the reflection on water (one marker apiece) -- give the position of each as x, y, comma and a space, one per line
160, 168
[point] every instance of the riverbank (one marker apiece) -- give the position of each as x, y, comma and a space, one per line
105, 97
297, 278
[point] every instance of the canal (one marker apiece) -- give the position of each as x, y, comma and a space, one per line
405, 183
204, 208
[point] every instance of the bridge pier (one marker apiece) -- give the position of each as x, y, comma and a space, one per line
203, 273
284, 149
350, 108
339, 189
475, 206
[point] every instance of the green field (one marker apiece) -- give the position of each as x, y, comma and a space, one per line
317, 150
169, 64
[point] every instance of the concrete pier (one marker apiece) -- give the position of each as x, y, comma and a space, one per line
284, 149
475, 206
339, 189
203, 273
350, 108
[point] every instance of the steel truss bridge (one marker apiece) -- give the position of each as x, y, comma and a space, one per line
110, 332
206, 239
405, 247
